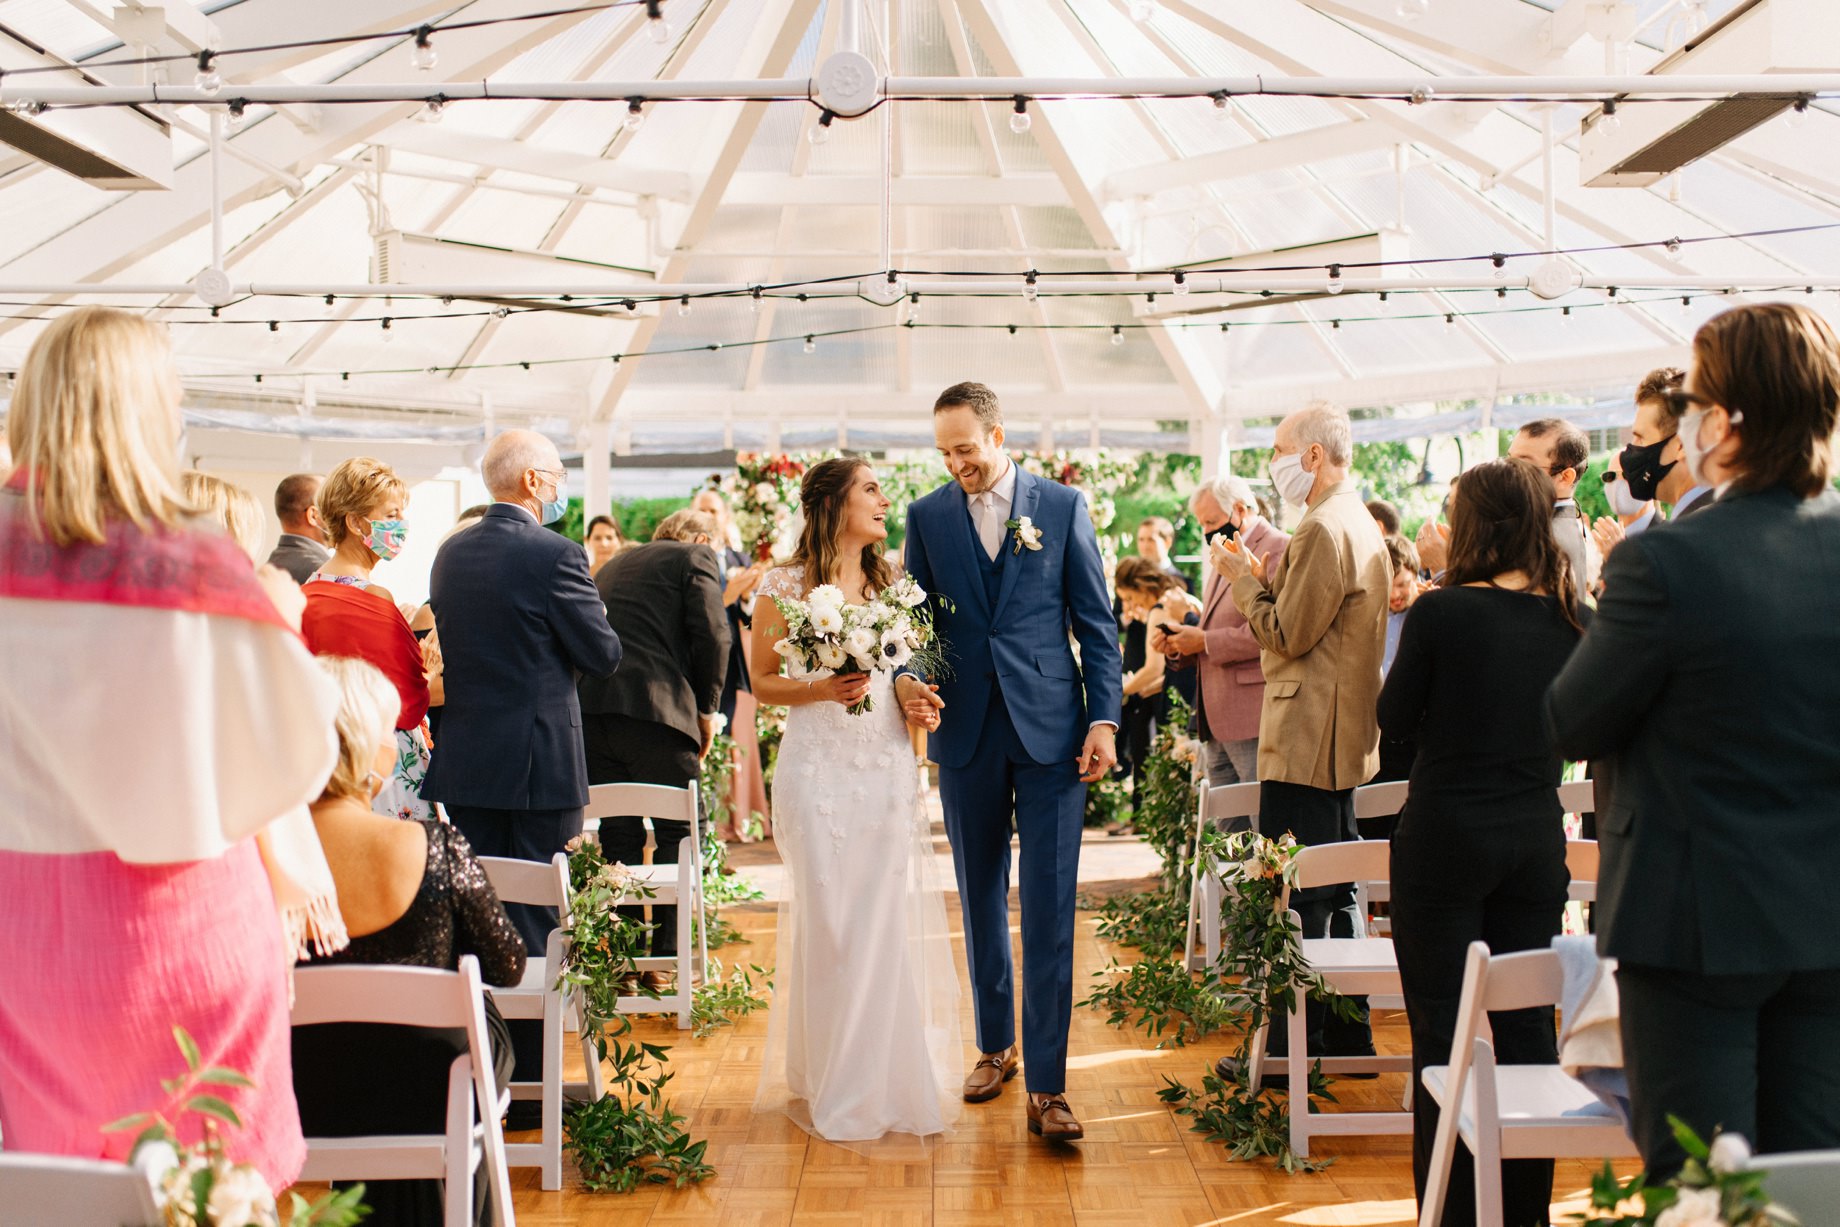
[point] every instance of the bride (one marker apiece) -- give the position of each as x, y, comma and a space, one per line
863, 1035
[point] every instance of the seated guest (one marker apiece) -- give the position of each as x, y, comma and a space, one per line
1709, 679
652, 721
302, 548
602, 541
1562, 449
1385, 515
348, 614
1479, 852
411, 894
161, 714
227, 504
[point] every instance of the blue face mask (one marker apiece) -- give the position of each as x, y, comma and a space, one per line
557, 507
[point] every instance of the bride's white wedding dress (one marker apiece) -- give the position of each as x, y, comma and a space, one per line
863, 1037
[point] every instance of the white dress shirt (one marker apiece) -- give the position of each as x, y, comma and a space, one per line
990, 511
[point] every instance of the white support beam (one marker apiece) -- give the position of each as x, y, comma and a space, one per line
936, 191
1243, 161
525, 157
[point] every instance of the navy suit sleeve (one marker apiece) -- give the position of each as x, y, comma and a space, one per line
578, 618
1090, 609
705, 629
1607, 688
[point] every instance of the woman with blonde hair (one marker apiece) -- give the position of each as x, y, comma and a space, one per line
227, 504
137, 900
349, 614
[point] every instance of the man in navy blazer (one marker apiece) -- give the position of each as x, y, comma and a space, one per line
518, 617
1025, 728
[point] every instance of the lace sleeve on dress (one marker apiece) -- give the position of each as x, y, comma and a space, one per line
788, 582
480, 925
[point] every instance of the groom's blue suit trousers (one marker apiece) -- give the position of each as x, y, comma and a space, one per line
999, 789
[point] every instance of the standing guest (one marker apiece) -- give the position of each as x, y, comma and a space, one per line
603, 541
1562, 449
302, 549
1479, 851
1320, 620
518, 617
1651, 461
1140, 585
1222, 651
161, 714
226, 504
348, 614
412, 895
1385, 515
1708, 678
1155, 536
653, 720
1397, 750
741, 576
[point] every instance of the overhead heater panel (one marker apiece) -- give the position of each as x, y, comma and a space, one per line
1655, 139
117, 148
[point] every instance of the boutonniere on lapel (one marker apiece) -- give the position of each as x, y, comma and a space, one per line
1026, 534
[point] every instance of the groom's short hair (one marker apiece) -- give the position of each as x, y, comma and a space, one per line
973, 396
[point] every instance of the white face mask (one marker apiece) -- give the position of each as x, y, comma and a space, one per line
1292, 483
1622, 502
1695, 455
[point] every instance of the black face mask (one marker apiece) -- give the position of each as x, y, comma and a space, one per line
1642, 468
1226, 532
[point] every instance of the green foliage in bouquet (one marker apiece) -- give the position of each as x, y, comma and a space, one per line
199, 1185
630, 1136
1716, 1186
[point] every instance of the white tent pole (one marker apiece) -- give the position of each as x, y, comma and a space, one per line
1787, 86
217, 189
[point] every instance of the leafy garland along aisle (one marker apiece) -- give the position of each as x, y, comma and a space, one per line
1261, 964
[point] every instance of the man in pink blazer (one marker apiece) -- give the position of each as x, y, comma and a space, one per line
1232, 685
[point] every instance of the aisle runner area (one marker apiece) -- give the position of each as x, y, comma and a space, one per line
1138, 1167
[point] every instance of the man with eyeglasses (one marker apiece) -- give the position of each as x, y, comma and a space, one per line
1563, 450
518, 618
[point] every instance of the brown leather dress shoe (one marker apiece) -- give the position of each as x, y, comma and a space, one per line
986, 1079
1052, 1120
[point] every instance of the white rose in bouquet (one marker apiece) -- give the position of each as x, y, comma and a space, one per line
861, 643
831, 655
1730, 1154
240, 1198
1693, 1208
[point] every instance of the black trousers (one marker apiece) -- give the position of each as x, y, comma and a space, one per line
1756, 1054
625, 750
1319, 816
525, 835
1460, 878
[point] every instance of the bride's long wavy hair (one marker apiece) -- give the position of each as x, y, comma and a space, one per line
822, 498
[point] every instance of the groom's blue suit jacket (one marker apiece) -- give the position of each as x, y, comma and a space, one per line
1020, 645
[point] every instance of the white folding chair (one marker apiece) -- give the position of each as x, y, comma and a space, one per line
680, 884
1220, 807
539, 996
417, 997
1353, 966
53, 1191
1508, 1111
1581, 860
1578, 797
1379, 801
1806, 1183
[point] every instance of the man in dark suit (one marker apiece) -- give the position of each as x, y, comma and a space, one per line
1707, 678
302, 548
518, 617
652, 721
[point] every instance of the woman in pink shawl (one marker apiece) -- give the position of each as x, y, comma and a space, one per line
158, 716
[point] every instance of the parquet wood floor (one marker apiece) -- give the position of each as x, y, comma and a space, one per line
1137, 1168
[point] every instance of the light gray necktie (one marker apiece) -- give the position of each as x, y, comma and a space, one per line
990, 525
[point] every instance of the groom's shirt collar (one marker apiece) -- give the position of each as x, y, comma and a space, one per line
1005, 488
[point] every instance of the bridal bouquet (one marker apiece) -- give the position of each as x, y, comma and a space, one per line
894, 630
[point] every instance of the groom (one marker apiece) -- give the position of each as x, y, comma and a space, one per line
1024, 732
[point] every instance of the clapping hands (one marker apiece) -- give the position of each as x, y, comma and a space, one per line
1231, 560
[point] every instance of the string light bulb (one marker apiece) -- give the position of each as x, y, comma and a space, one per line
26, 106
1565, 315
683, 306
431, 110
1030, 291
1672, 246
1609, 124
821, 131
1117, 335
1383, 303
1019, 120
811, 344
501, 312
422, 55
237, 114
1181, 279
1223, 105
1335, 284
635, 115
389, 334
1686, 304
209, 80
1798, 111
1501, 265
659, 29
754, 300
1450, 319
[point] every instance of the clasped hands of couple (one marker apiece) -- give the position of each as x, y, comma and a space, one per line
921, 704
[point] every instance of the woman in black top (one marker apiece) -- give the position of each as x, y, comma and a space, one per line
1479, 852
411, 894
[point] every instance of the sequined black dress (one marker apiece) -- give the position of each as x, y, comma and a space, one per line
353, 1079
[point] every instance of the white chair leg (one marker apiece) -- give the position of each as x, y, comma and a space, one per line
1298, 1062
687, 896
1210, 919
457, 1189
551, 1166
1486, 1147
1443, 1150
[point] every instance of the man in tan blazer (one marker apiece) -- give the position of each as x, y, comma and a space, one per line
1231, 687
1320, 619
